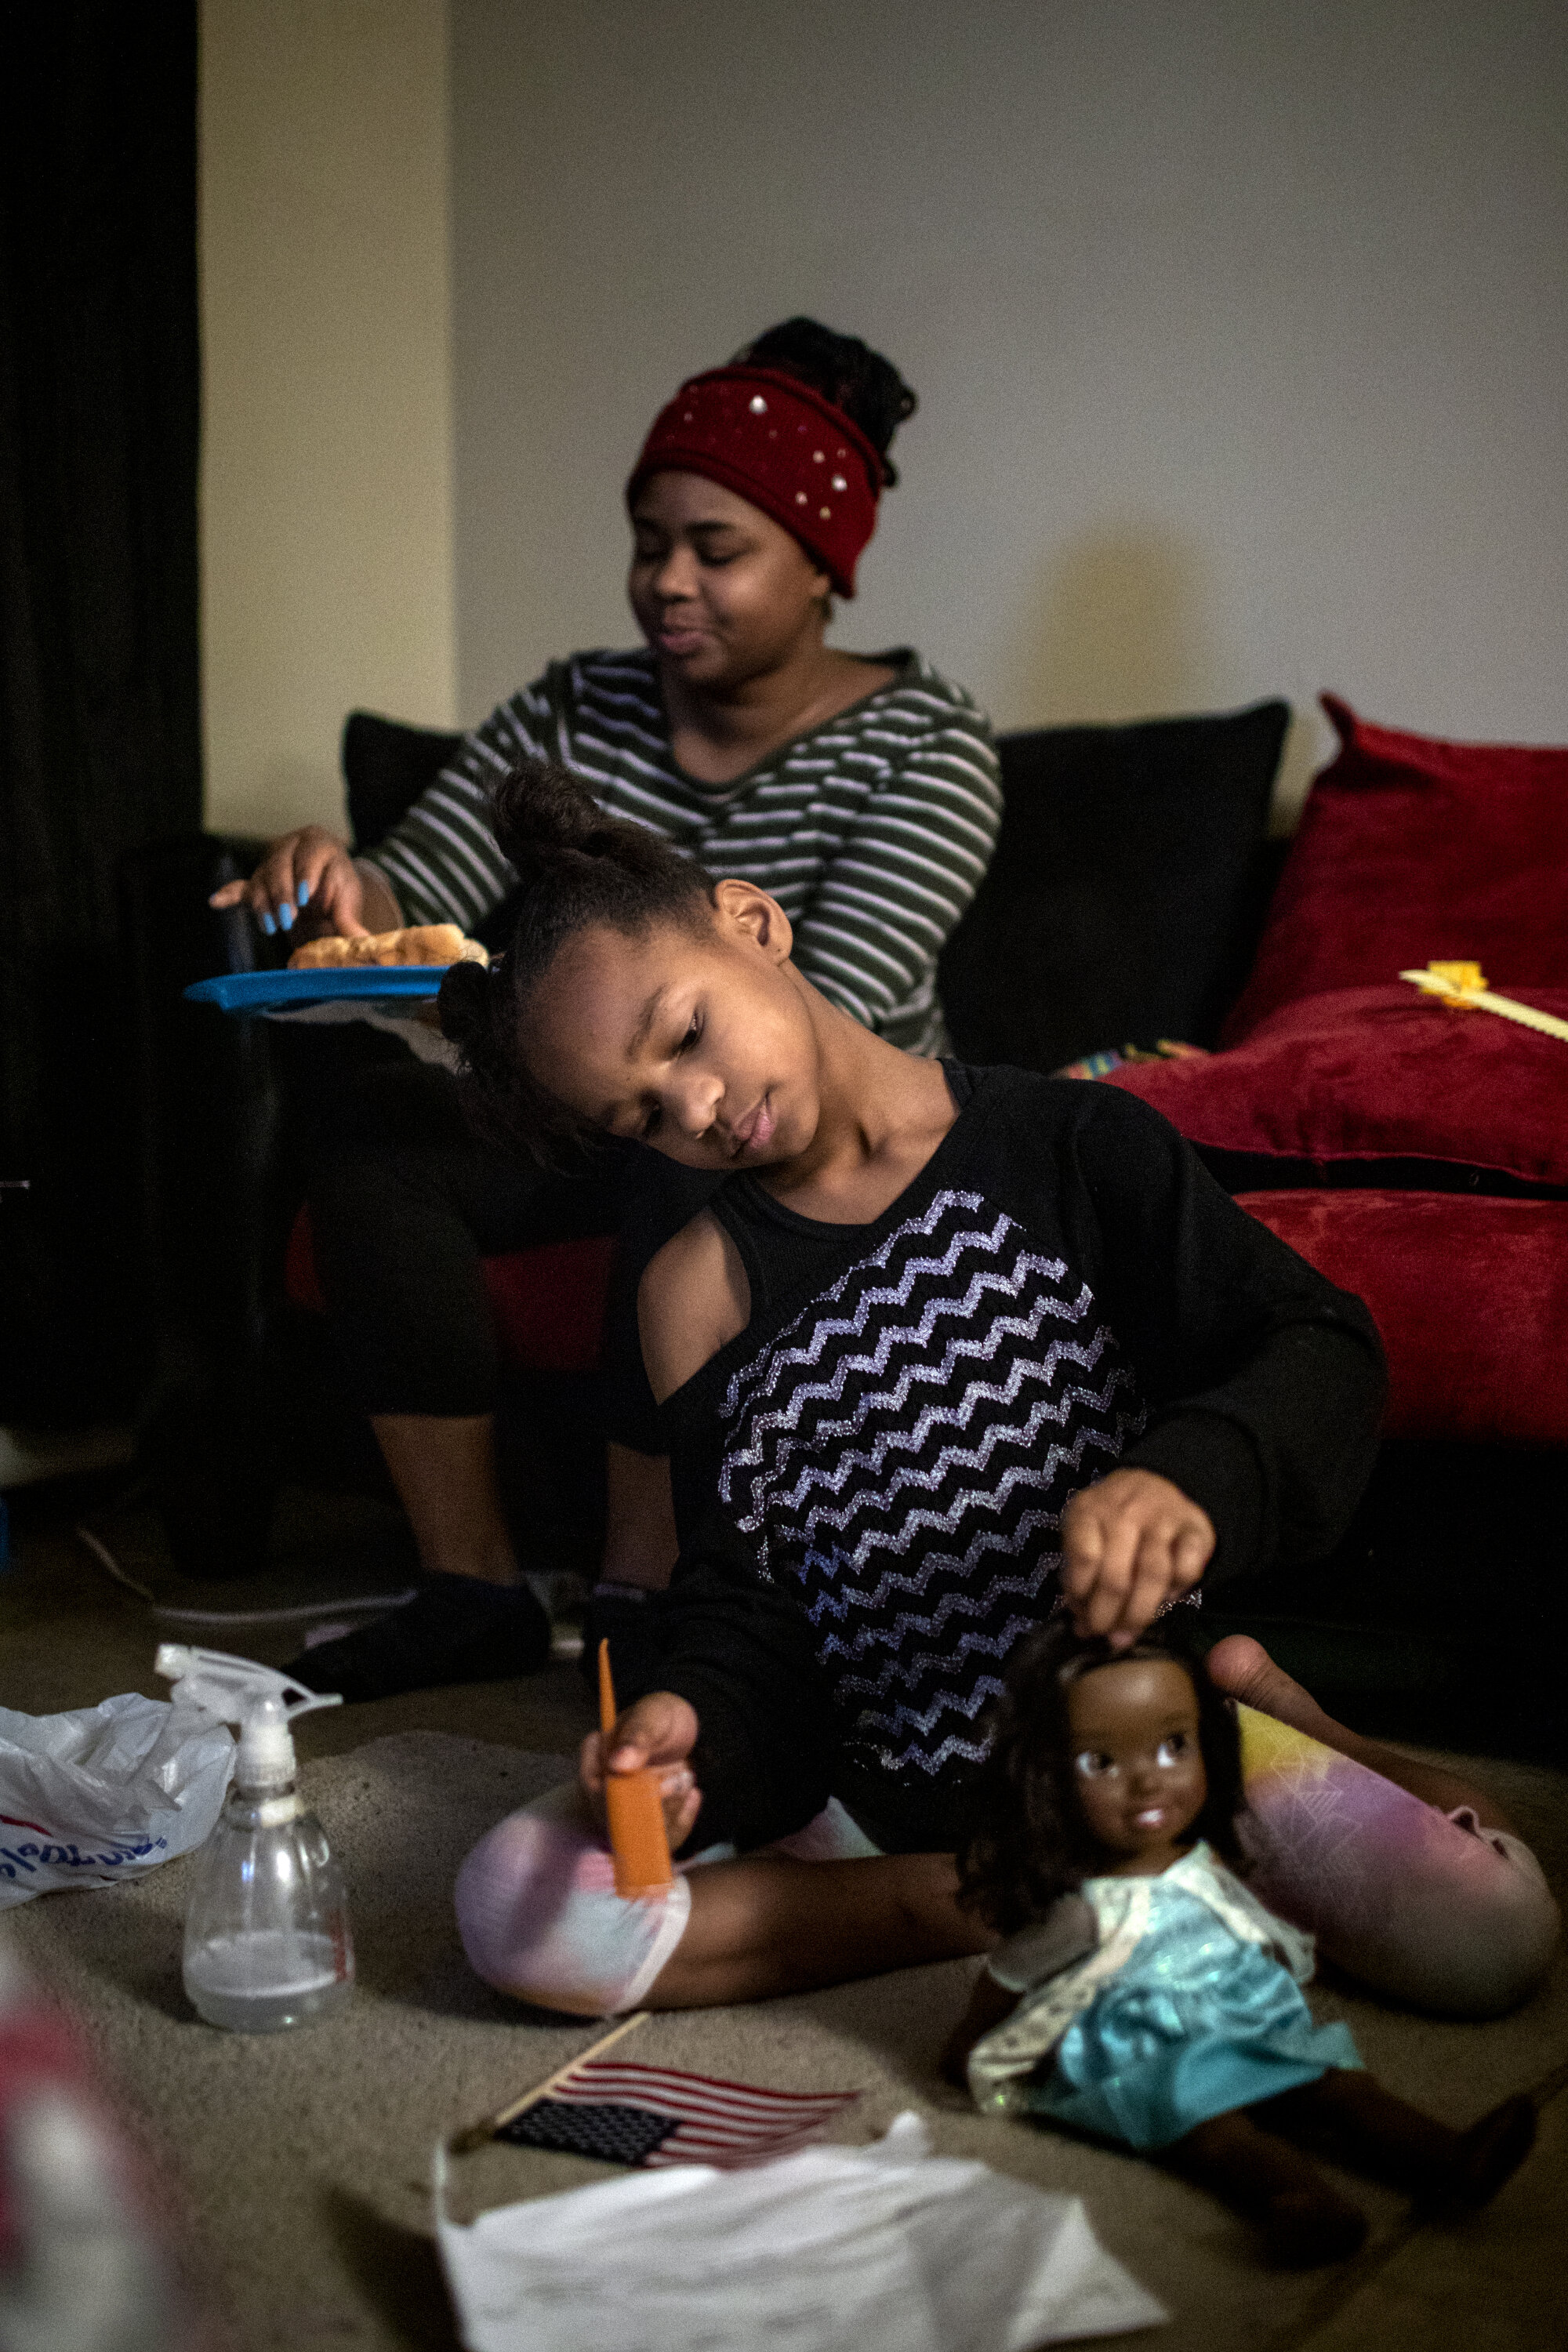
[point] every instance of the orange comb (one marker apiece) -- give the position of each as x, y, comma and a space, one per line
634, 1809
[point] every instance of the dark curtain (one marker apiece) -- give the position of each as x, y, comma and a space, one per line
100, 735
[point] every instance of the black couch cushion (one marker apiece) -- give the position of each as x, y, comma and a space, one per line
386, 766
1128, 889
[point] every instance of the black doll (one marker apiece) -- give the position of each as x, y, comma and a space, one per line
1142, 1991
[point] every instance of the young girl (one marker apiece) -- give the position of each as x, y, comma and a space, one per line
946, 1345
1142, 1991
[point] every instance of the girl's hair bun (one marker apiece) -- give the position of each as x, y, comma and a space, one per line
844, 370
540, 812
463, 1006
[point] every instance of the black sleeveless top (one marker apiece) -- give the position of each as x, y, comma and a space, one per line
869, 1478
785, 1254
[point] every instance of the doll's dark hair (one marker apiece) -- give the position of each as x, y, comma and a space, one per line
1028, 1844
844, 370
575, 867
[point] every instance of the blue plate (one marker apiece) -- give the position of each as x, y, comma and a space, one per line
262, 992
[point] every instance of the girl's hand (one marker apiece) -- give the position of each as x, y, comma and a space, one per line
1129, 1545
660, 1730
309, 877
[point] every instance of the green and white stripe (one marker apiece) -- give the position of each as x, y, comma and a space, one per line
872, 831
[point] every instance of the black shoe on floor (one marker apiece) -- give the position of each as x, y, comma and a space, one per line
455, 1630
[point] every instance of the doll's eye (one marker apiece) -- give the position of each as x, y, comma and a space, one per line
1092, 1764
1172, 1751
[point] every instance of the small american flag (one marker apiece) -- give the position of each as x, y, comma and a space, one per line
652, 2116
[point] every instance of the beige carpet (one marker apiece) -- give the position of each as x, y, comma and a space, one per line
306, 2156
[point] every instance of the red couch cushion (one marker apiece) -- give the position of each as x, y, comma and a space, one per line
1470, 1295
1377, 1073
1412, 850
549, 1302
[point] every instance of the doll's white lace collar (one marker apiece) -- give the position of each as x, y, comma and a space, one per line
1002, 2062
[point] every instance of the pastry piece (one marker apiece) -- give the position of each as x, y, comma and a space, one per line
435, 943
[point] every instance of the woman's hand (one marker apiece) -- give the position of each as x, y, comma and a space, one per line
310, 874
660, 1730
1129, 1545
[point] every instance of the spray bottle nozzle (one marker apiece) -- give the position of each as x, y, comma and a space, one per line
261, 1701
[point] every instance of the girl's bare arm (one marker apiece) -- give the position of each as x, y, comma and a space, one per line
693, 1300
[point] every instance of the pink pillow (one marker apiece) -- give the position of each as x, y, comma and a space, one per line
1377, 1073
1411, 851
1471, 1297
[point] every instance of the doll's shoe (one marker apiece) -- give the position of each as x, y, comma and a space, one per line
1305, 2227
1490, 2153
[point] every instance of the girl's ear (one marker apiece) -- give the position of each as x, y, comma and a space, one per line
745, 910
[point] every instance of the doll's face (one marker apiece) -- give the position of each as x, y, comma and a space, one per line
1137, 1762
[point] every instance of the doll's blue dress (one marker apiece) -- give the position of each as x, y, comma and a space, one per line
1189, 2005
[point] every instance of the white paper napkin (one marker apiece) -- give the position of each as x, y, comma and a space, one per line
880, 2249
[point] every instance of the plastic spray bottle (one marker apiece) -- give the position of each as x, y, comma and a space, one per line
267, 1929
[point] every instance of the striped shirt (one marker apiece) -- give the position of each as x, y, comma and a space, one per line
872, 831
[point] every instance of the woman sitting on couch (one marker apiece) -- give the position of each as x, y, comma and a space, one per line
861, 791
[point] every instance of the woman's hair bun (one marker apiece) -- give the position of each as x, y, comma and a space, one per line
844, 370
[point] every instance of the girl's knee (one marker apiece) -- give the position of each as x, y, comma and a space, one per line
507, 1893
539, 1918
1499, 1926
1428, 1907
1427, 1910
1484, 1940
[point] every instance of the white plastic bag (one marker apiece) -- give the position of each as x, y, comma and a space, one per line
887, 2248
105, 1792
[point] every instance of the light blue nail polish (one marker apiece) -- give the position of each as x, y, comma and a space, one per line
286, 915
304, 895
267, 925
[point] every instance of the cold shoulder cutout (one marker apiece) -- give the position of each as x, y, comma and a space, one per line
693, 1300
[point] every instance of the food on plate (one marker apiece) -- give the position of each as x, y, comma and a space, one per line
420, 943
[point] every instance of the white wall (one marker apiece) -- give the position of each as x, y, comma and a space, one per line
327, 540
1241, 330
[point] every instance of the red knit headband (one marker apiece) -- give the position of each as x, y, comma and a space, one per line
778, 443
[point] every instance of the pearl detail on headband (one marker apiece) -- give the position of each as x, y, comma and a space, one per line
763, 434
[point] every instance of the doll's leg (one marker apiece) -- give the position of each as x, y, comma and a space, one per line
1401, 2145
1304, 2219
540, 1918
1407, 1878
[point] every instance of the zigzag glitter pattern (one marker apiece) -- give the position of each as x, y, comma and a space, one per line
890, 1527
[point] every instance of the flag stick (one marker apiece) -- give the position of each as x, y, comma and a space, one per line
1484, 1000
464, 2142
